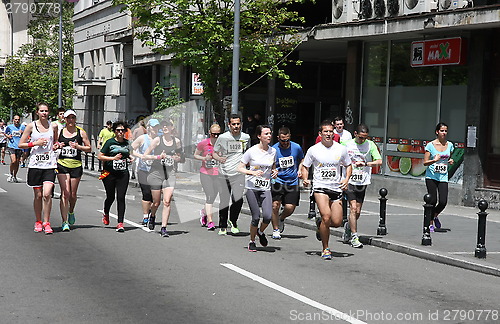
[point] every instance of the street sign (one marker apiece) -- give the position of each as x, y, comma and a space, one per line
448, 51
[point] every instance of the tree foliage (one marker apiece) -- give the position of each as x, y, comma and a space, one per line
199, 33
32, 74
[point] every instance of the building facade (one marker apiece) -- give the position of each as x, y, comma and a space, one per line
400, 70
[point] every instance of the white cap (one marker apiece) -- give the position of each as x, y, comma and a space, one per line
69, 112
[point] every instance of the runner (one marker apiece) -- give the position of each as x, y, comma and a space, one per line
260, 159
73, 141
344, 134
364, 155
209, 173
60, 122
115, 154
140, 146
168, 150
285, 188
228, 151
3, 140
42, 165
13, 133
105, 134
436, 159
327, 157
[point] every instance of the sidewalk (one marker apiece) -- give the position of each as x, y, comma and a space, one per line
404, 227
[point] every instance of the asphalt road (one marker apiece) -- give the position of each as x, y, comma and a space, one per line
95, 275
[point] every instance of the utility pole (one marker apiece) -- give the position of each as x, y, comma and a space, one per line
236, 58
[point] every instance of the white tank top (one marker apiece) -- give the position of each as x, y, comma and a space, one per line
42, 157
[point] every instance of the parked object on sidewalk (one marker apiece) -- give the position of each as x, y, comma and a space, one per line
428, 207
480, 251
382, 229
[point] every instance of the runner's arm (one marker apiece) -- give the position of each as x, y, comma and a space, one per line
23, 142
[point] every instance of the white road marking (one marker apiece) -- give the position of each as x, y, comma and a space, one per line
1, 190
128, 222
334, 313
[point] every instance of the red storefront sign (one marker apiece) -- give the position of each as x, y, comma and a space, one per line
448, 51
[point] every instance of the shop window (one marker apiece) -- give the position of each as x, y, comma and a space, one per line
454, 102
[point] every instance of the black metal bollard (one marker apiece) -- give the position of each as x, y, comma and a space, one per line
93, 160
312, 206
382, 230
86, 166
480, 251
426, 237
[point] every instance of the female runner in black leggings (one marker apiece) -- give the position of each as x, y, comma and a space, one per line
115, 177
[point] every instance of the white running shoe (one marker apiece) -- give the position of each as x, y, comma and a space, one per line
355, 243
346, 237
276, 235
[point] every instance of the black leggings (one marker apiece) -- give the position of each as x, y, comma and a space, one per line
209, 184
116, 182
434, 188
257, 199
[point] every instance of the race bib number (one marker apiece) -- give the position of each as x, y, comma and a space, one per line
68, 151
16, 133
327, 173
119, 165
286, 162
168, 161
260, 182
357, 175
441, 168
235, 147
210, 164
41, 158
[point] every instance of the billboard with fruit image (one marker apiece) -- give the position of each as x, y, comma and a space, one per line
413, 167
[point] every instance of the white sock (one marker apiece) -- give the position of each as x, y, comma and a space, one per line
260, 233
146, 215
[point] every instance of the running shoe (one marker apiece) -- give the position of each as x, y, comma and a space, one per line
281, 225
203, 217
15, 180
105, 219
120, 228
318, 223
437, 223
276, 235
234, 228
23, 165
144, 221
46, 228
211, 226
346, 237
38, 227
355, 243
163, 232
9, 178
431, 229
151, 222
3, 162
71, 218
65, 227
262, 239
326, 255
222, 232
252, 247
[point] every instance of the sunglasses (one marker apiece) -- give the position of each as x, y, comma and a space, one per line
120, 130
215, 134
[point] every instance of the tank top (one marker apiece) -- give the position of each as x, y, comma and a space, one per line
70, 157
42, 156
166, 164
145, 165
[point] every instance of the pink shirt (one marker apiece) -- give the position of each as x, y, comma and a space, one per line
208, 167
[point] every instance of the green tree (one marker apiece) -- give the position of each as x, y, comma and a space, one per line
199, 33
32, 74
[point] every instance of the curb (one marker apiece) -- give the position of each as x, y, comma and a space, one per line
367, 240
